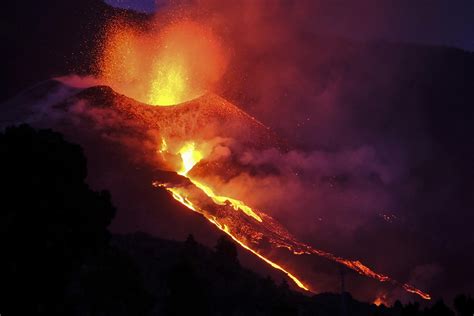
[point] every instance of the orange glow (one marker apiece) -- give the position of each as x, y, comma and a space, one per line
222, 200
181, 199
380, 300
163, 146
162, 67
416, 291
190, 156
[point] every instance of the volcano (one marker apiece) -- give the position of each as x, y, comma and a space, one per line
189, 150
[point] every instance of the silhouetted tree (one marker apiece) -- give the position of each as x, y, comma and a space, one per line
51, 223
411, 309
439, 309
226, 251
284, 286
190, 241
464, 305
281, 303
284, 308
190, 246
268, 282
187, 294
112, 285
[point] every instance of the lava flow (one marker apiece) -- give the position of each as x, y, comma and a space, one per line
171, 65
191, 157
249, 229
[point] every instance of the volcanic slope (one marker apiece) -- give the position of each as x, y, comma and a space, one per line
201, 118
181, 136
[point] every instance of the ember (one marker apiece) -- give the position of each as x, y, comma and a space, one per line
166, 67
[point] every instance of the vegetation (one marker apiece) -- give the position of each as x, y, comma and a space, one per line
56, 257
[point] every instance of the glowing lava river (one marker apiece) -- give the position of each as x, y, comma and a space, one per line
247, 226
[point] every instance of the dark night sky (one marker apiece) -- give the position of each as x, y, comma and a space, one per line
439, 22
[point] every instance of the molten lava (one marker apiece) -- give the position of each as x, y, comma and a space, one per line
248, 230
162, 67
190, 157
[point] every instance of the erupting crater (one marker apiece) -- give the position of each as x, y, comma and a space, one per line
162, 66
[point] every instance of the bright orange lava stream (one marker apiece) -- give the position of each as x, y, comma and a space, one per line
277, 235
190, 157
226, 230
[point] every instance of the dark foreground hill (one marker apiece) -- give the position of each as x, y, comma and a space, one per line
190, 278
187, 278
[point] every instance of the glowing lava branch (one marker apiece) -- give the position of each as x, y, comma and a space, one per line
286, 240
183, 200
223, 200
250, 231
273, 264
416, 291
358, 267
190, 157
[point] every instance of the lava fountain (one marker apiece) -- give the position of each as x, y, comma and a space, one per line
163, 66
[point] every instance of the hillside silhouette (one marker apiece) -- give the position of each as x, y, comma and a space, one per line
56, 257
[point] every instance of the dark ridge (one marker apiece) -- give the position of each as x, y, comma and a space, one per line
44, 39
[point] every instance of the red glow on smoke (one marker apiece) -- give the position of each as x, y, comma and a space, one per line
162, 66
